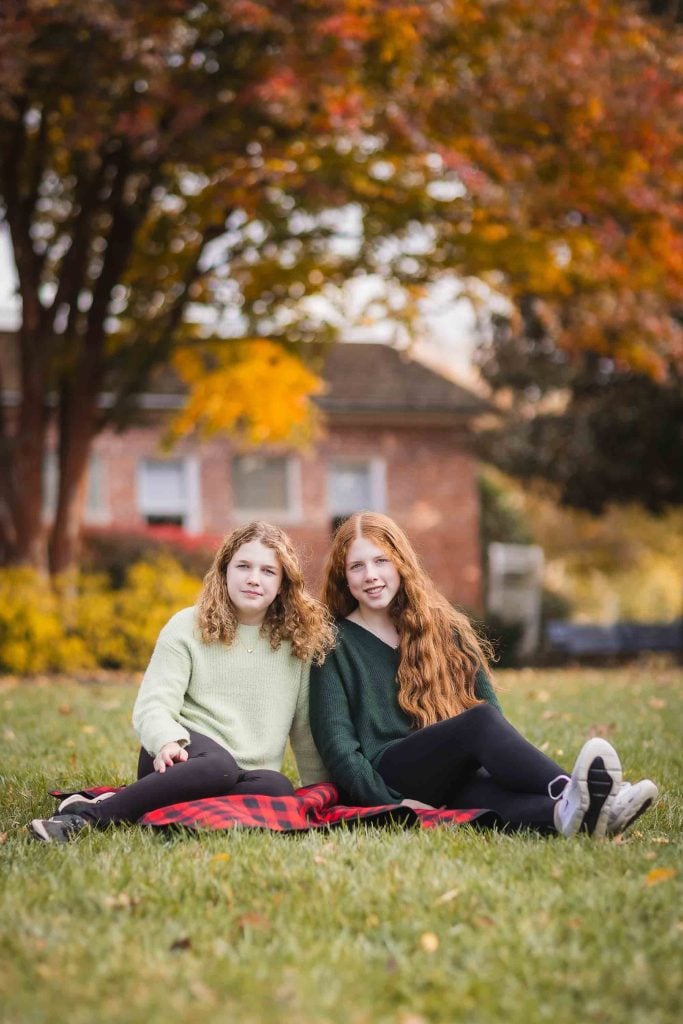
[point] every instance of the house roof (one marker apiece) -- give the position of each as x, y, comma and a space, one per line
375, 378
362, 379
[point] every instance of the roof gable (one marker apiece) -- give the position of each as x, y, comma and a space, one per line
377, 378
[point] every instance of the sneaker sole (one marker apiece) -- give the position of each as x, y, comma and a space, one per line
641, 810
598, 785
77, 798
38, 831
619, 826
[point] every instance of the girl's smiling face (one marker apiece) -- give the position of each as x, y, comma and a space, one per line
254, 577
372, 577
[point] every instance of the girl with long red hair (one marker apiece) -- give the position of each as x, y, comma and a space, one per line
403, 709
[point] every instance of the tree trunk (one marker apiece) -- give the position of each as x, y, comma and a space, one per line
23, 444
77, 428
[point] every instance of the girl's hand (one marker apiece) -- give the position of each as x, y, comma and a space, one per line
169, 753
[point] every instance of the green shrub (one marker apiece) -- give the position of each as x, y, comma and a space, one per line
80, 622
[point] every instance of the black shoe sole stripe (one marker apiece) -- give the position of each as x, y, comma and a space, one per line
600, 784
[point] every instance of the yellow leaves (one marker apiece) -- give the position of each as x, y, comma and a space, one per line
594, 109
658, 875
429, 942
43, 631
253, 389
494, 232
219, 858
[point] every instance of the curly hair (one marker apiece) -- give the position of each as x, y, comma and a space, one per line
436, 676
294, 615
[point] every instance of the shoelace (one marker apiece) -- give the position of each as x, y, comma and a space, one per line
564, 779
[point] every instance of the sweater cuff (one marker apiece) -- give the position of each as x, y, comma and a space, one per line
154, 742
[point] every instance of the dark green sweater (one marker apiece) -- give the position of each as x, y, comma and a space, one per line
355, 714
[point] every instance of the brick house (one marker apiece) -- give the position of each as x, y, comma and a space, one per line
395, 440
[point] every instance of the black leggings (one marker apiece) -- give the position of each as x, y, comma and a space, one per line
442, 765
210, 770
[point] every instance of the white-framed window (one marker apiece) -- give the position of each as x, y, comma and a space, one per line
354, 485
266, 485
96, 509
168, 492
96, 505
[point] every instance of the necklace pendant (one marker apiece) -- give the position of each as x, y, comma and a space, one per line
250, 650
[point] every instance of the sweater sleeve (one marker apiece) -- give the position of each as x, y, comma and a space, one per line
162, 692
483, 689
337, 739
308, 760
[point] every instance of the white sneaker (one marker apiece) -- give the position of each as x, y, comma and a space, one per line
585, 803
629, 803
78, 798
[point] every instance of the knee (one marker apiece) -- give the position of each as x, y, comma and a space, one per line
483, 715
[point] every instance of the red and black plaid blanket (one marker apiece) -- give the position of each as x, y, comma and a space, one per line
310, 808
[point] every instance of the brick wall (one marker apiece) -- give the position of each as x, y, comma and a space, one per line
430, 489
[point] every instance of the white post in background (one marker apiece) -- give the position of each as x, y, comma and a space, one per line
514, 589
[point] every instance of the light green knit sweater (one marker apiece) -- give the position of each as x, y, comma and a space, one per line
249, 703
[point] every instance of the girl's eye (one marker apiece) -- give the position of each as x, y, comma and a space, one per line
269, 572
356, 565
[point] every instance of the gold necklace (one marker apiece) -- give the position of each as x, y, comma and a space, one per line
245, 647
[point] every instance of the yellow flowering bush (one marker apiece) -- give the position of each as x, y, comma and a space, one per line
80, 622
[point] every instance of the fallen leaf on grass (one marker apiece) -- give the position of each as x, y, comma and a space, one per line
64, 709
202, 992
253, 919
121, 901
219, 858
658, 875
656, 703
9, 734
602, 729
179, 944
446, 897
484, 921
88, 729
429, 942
3, 838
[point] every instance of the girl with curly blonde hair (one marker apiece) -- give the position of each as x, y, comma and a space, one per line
403, 709
226, 686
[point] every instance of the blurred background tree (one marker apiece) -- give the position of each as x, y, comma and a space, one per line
248, 156
157, 160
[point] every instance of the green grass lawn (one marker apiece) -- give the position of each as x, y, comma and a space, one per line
364, 927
